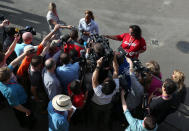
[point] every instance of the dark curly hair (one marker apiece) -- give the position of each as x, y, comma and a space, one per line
108, 86
137, 32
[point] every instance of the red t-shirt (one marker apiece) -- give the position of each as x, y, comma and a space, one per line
73, 45
131, 45
78, 100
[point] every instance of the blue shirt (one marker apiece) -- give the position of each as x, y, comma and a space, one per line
57, 122
135, 124
124, 71
68, 73
19, 48
92, 27
14, 93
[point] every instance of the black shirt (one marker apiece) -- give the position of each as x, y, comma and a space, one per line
160, 108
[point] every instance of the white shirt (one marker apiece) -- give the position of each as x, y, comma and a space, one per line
102, 99
92, 27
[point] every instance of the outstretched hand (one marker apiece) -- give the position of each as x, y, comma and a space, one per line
57, 26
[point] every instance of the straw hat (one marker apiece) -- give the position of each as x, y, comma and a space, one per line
61, 102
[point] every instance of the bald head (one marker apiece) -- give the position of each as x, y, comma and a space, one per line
27, 37
49, 63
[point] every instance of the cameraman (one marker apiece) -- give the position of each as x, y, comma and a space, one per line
101, 104
135, 95
73, 43
147, 124
132, 42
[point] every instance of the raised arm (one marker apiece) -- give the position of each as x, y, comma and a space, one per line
45, 50
16, 61
95, 76
12, 46
113, 37
48, 37
67, 26
115, 66
124, 105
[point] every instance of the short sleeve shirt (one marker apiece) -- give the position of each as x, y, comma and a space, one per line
102, 99
132, 46
135, 124
68, 73
19, 48
14, 93
92, 27
57, 122
52, 16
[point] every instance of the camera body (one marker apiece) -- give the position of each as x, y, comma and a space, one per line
26, 29
107, 53
139, 68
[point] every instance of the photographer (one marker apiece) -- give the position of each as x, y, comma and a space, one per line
155, 83
135, 95
87, 25
147, 124
101, 104
132, 42
73, 43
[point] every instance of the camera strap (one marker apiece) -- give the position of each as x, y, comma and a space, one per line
130, 42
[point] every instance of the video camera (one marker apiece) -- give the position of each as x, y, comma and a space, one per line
26, 29
138, 67
107, 52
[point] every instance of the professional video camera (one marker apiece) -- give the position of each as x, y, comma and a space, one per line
139, 68
107, 52
26, 29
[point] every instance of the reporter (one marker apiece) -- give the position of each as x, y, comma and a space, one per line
147, 124
133, 42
